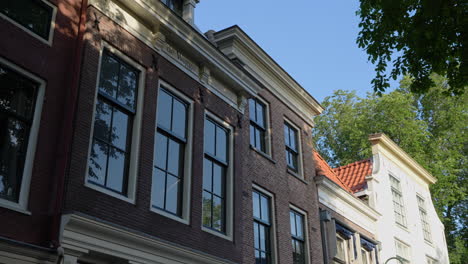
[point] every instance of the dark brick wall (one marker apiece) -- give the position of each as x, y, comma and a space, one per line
138, 216
53, 64
286, 188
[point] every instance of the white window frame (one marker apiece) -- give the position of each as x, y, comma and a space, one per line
346, 248
408, 249
300, 164
229, 180
187, 182
268, 151
306, 231
402, 201
425, 225
52, 25
22, 205
273, 242
431, 260
136, 129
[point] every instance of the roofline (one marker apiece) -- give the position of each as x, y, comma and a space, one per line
318, 108
385, 141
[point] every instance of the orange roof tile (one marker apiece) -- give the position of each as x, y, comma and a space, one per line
354, 175
322, 168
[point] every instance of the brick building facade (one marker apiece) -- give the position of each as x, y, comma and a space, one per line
187, 174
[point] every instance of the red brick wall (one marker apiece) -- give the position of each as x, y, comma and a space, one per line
286, 188
138, 216
53, 64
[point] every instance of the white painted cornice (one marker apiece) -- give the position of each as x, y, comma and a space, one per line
149, 19
83, 234
382, 143
348, 198
236, 44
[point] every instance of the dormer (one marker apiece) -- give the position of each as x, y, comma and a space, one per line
183, 8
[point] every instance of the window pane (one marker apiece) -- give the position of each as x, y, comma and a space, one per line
218, 180
206, 209
292, 220
286, 135
221, 143
116, 170
292, 138
102, 121
207, 174
34, 15
265, 203
256, 236
209, 137
13, 145
17, 94
127, 86
172, 194
109, 75
257, 257
252, 115
218, 213
179, 119
160, 150
261, 142
299, 228
159, 183
262, 234
256, 205
260, 114
120, 124
258, 139
174, 158
252, 136
98, 162
164, 109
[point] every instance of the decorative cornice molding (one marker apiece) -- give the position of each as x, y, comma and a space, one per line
385, 142
236, 44
80, 232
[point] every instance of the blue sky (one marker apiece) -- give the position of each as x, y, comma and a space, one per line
314, 41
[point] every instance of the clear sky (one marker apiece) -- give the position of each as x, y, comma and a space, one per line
314, 41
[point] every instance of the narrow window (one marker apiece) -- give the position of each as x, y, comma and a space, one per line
115, 111
262, 227
174, 5
291, 142
431, 260
424, 222
169, 149
398, 205
298, 237
367, 251
17, 105
215, 167
403, 251
34, 15
344, 244
258, 124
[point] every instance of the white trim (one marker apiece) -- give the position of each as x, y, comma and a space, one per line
306, 230
27, 30
229, 180
300, 165
187, 177
136, 130
22, 204
273, 241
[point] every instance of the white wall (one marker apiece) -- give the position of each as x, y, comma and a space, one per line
385, 164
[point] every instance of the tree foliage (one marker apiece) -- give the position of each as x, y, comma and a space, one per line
431, 127
421, 37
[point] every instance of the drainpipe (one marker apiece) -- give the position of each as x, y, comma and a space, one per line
65, 141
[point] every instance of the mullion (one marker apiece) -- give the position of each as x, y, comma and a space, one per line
177, 138
126, 109
108, 148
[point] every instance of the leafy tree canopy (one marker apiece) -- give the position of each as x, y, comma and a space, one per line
421, 36
430, 127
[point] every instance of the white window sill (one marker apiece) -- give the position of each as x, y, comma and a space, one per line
110, 193
168, 215
216, 233
14, 206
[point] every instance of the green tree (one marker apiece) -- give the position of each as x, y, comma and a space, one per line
420, 36
431, 127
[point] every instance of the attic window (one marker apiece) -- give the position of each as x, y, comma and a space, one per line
174, 5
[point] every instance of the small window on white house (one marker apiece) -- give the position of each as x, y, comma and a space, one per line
424, 221
430, 260
368, 252
398, 204
21, 96
344, 244
403, 251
